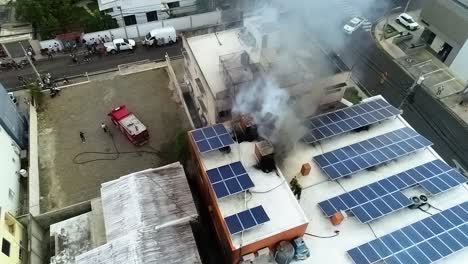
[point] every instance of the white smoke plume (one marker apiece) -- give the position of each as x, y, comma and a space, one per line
301, 23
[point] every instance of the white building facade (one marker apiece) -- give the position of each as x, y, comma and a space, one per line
446, 32
10, 166
131, 12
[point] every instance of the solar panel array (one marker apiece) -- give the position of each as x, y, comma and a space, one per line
365, 154
425, 241
246, 219
383, 197
229, 179
345, 120
212, 138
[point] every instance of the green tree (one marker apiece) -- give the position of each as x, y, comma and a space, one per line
50, 17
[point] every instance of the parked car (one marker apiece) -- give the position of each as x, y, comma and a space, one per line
119, 45
354, 24
160, 36
13, 98
407, 21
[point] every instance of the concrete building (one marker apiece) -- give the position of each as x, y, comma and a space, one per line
271, 191
221, 65
143, 217
13, 240
446, 32
12, 140
337, 237
131, 12
10, 165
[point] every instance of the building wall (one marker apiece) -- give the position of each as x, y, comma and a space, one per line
11, 121
460, 64
9, 172
15, 234
199, 89
209, 198
139, 8
440, 16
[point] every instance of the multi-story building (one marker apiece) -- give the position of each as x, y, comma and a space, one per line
372, 190
446, 32
219, 66
12, 239
12, 140
131, 12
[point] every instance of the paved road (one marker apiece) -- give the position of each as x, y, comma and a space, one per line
63, 66
368, 62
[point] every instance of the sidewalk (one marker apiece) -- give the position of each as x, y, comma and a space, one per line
417, 60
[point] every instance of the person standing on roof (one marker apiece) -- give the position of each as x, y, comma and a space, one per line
82, 136
296, 188
104, 127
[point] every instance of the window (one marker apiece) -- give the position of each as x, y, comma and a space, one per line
173, 5
108, 10
224, 113
11, 194
152, 16
6, 247
335, 88
130, 20
200, 86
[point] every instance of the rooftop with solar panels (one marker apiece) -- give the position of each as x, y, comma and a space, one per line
267, 209
378, 182
374, 190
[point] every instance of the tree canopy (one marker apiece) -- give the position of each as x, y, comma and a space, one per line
51, 17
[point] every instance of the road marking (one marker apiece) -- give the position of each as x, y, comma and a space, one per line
446, 81
422, 64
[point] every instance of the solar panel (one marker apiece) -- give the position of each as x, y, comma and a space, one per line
212, 138
425, 241
229, 179
247, 219
345, 120
373, 201
366, 154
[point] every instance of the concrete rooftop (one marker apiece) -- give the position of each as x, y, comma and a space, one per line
317, 187
82, 108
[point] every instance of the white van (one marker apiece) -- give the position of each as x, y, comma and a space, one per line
160, 36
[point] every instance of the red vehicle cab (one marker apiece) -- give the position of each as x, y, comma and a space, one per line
129, 125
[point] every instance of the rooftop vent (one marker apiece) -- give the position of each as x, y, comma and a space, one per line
265, 156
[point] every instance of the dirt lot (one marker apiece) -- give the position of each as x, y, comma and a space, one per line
83, 108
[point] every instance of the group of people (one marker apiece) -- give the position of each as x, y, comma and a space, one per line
103, 127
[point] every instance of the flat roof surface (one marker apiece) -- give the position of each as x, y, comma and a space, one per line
317, 187
271, 191
208, 48
63, 182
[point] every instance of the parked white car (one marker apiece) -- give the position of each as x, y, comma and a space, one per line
354, 24
119, 45
407, 21
13, 98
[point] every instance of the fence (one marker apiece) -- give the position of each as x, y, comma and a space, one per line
140, 30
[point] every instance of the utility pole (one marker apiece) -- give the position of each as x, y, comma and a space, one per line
411, 90
123, 20
407, 5
30, 62
386, 20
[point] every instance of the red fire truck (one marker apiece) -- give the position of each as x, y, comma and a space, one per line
130, 126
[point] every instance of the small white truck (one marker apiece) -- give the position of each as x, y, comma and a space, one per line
119, 45
160, 37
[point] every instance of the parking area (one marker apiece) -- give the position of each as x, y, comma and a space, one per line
63, 181
421, 61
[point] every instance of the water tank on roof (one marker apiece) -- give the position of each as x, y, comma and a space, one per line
284, 253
